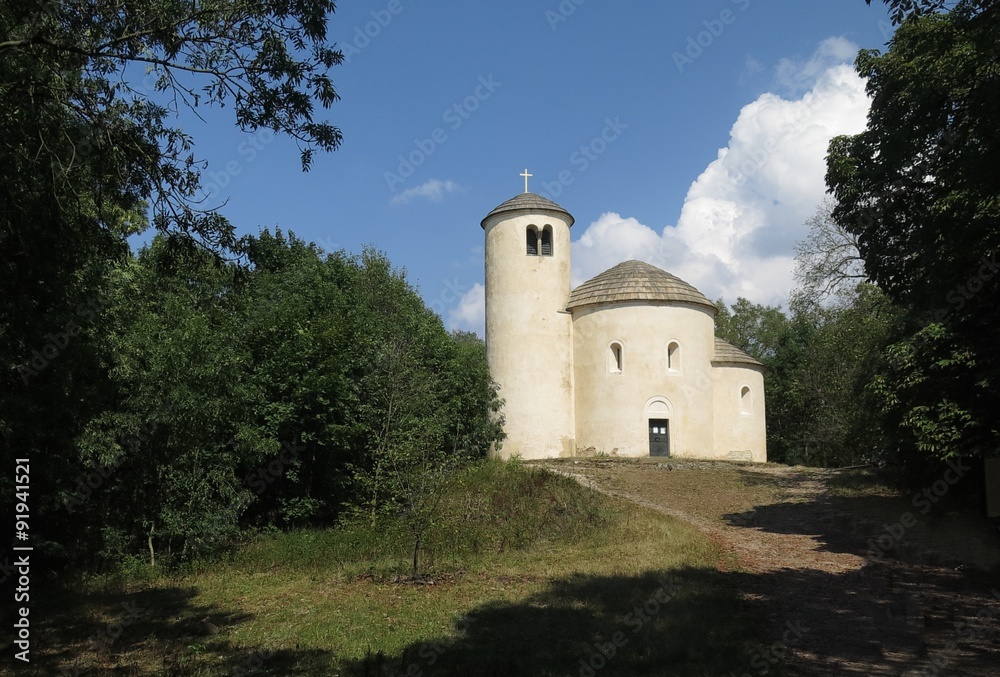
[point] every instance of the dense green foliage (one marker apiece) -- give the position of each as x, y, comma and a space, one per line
819, 361
89, 156
919, 190
899, 10
888, 352
270, 394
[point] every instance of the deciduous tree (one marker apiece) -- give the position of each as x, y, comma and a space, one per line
90, 154
919, 191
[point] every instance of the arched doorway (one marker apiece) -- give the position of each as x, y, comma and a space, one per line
657, 415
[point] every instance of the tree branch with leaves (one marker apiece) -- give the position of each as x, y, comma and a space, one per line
268, 59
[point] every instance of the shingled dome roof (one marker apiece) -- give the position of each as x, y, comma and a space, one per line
727, 353
636, 281
528, 202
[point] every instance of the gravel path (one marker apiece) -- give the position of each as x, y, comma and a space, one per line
803, 554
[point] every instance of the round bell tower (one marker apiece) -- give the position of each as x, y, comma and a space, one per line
529, 333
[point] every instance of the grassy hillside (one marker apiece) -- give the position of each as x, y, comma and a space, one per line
526, 573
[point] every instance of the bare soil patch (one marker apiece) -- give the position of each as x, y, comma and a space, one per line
868, 590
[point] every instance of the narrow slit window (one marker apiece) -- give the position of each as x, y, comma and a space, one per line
532, 241
746, 400
547, 241
615, 357
674, 356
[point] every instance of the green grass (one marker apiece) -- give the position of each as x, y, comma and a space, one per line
527, 573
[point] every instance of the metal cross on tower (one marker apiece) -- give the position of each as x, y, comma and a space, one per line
526, 175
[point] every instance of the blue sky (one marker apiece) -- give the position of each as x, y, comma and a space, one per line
688, 134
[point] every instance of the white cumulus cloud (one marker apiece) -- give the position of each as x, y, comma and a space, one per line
433, 190
470, 314
742, 216
799, 75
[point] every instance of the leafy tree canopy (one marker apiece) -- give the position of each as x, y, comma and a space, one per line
271, 394
107, 78
916, 186
900, 10
919, 191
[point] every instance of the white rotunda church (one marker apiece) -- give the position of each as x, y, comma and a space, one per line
626, 364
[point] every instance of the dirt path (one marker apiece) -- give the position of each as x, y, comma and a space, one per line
813, 559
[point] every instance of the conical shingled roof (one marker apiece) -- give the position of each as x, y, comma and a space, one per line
527, 202
635, 281
727, 353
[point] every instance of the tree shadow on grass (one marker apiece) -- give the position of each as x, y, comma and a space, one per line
890, 617
687, 622
151, 631
696, 622
846, 617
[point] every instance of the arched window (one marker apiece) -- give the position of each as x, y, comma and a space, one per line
615, 357
547, 241
746, 400
532, 241
674, 356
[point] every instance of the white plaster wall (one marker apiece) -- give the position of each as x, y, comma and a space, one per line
612, 408
737, 430
529, 335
